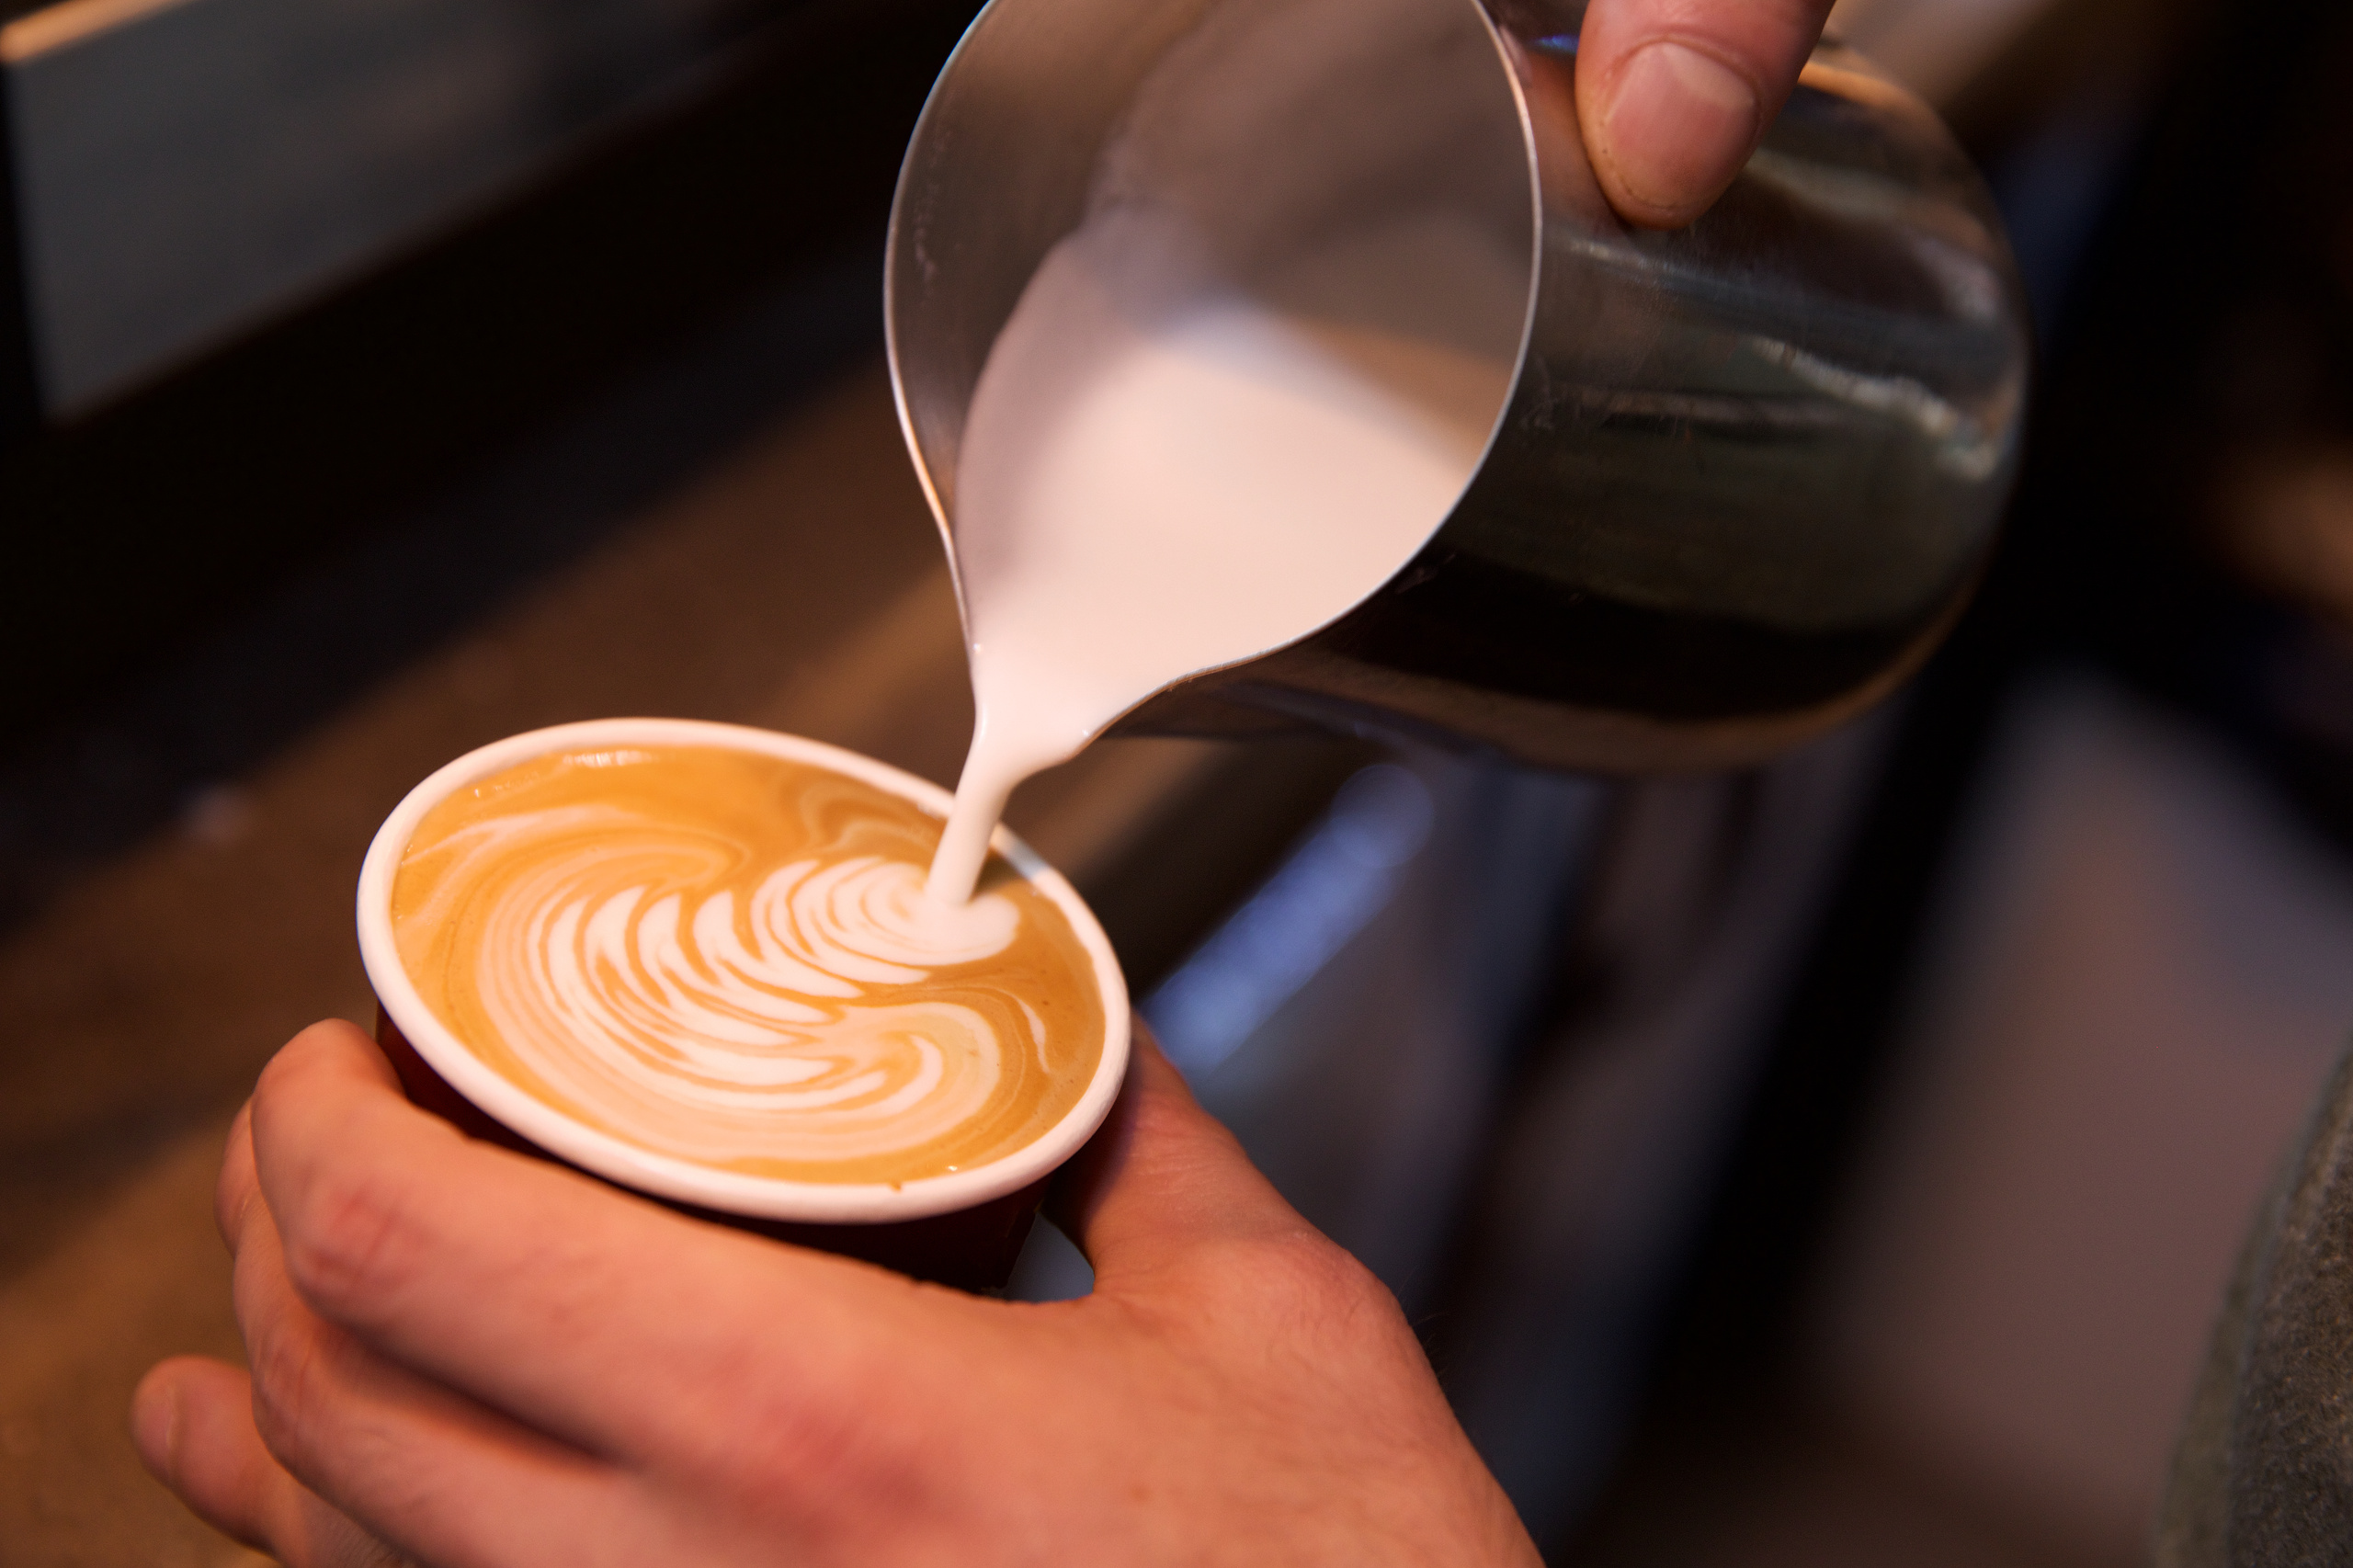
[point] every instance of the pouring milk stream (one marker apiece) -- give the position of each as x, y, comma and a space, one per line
1166, 471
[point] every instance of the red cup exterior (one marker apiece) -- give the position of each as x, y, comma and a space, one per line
972, 1249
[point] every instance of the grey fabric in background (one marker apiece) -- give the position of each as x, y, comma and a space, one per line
2264, 1476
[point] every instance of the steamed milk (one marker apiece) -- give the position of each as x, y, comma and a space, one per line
1164, 472
729, 958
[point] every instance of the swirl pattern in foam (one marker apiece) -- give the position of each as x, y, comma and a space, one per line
729, 958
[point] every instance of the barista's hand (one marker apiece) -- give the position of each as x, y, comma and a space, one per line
469, 1358
1674, 94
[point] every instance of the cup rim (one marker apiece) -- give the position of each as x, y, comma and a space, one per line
664, 1175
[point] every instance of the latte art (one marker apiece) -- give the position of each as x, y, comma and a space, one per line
730, 959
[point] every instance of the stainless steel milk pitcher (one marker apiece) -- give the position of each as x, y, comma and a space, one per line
1748, 471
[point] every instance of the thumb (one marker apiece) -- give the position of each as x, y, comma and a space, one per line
1163, 1176
1673, 94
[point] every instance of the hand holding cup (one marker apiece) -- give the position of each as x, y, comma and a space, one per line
464, 1356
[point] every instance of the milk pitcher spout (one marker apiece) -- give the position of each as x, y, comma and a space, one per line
1741, 477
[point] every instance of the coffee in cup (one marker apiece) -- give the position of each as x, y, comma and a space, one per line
699, 960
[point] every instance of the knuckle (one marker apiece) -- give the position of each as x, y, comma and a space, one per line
284, 1361
281, 1075
351, 1240
1330, 1278
1303, 1275
830, 1455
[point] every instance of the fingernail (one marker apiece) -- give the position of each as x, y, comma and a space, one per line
1678, 128
155, 1425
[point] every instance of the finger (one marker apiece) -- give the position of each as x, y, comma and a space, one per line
1673, 94
416, 1463
236, 1187
546, 1295
192, 1423
1161, 1177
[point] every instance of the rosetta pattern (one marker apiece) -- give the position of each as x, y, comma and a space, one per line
718, 1034
758, 981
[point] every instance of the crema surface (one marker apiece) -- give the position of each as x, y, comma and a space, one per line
728, 957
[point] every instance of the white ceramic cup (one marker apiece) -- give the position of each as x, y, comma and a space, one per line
792, 1208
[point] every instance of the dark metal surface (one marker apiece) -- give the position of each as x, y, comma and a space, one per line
19, 391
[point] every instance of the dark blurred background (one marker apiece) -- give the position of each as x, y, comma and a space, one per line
1838, 1164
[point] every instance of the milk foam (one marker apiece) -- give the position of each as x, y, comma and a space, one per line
1165, 472
733, 960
